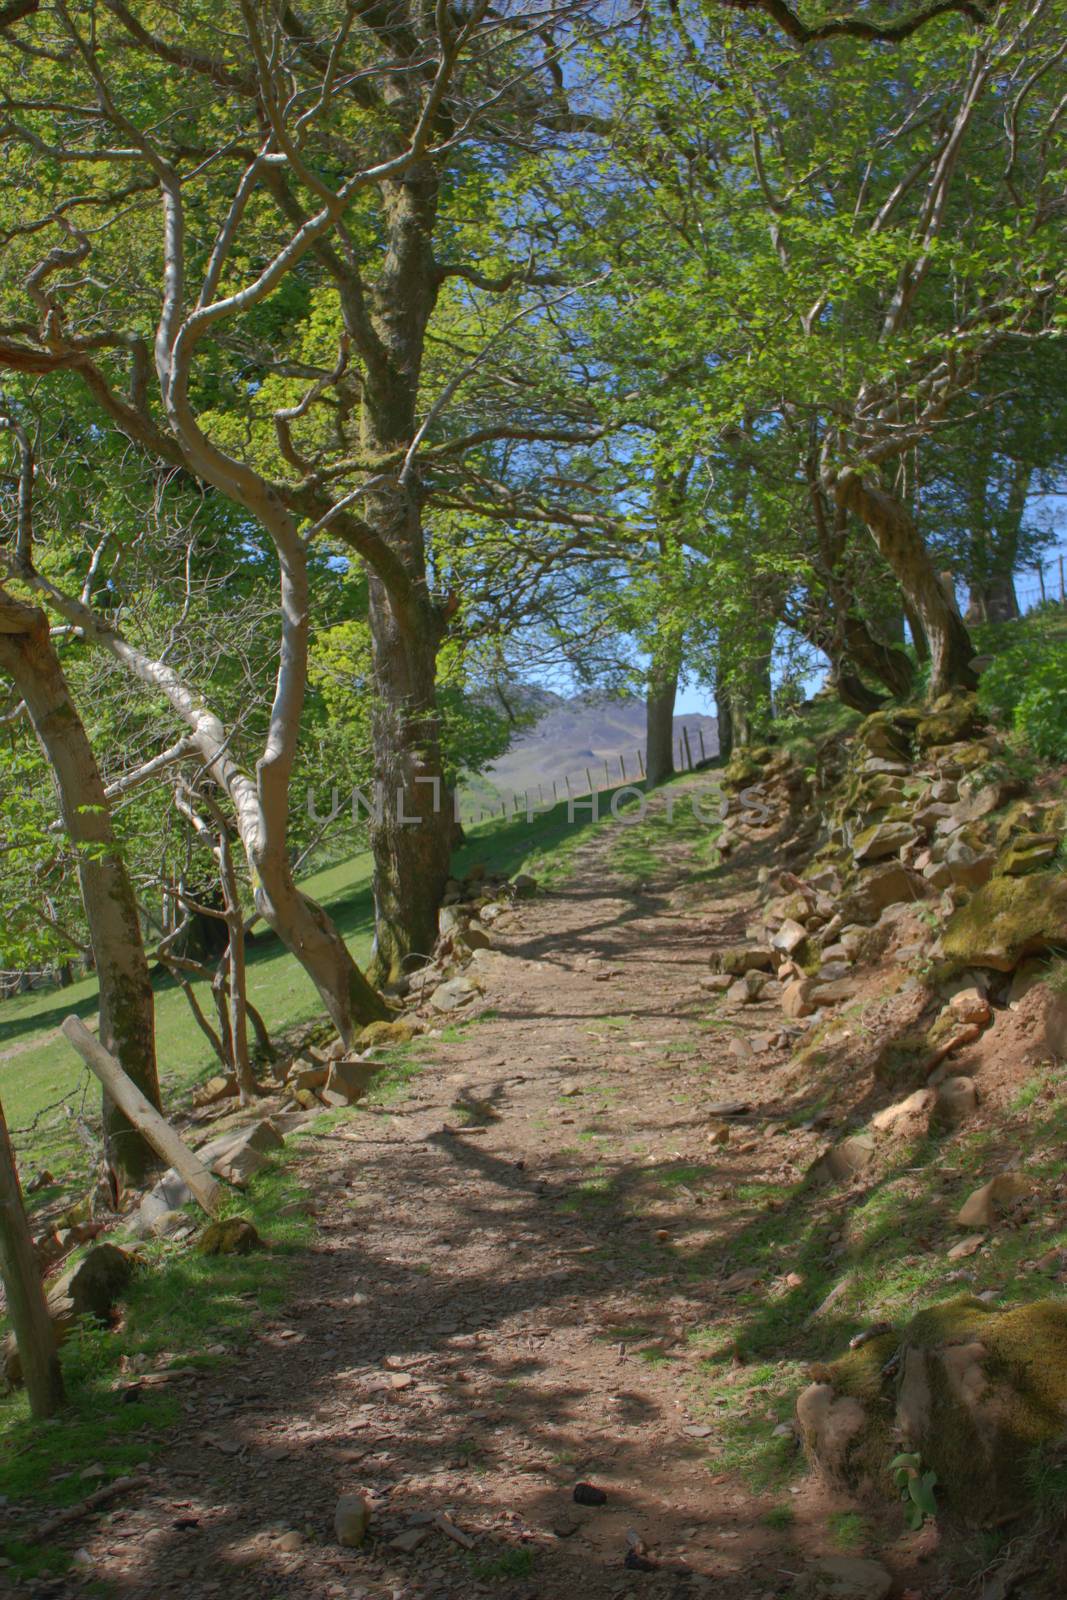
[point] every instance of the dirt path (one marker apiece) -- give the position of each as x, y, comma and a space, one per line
493, 1314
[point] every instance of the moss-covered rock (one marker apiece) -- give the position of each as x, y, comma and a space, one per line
882, 735
233, 1236
1007, 919
952, 718
1029, 852
975, 1390
384, 1033
740, 771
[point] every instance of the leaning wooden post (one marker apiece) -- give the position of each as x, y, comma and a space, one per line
34, 1335
156, 1129
688, 751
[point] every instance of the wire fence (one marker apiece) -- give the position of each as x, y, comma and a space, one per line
606, 772
1051, 585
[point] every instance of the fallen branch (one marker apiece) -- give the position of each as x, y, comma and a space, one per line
156, 1129
99, 1497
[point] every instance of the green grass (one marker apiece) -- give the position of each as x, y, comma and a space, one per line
684, 818
45, 1071
848, 1530
517, 1563
182, 1310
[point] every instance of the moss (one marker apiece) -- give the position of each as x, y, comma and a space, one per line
880, 735
952, 718
1027, 853
860, 1373
982, 1448
1007, 919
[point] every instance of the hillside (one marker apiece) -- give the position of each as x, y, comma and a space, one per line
582, 732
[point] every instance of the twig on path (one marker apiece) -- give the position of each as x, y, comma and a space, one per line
99, 1497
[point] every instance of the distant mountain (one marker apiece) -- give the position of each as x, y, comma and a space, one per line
574, 735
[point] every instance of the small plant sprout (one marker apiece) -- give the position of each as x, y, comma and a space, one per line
916, 1487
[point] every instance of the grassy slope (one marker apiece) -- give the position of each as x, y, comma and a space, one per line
43, 1070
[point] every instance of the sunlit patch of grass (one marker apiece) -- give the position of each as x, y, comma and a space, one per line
849, 1531
516, 1563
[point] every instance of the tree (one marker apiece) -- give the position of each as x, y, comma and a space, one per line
25, 1295
126, 1003
825, 244
301, 216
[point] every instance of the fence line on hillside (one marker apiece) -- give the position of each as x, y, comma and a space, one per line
597, 778
1051, 585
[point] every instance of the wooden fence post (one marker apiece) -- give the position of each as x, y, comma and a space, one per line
688, 752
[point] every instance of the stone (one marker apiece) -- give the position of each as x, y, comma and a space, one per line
170, 1193
302, 1075
1027, 853
351, 1078
953, 717
975, 1390
796, 998
747, 990
845, 1578
1055, 1025
172, 1225
716, 982
893, 769
832, 971
740, 1048
454, 994
906, 1117
957, 1098
215, 1090
1007, 919
473, 938
409, 1540
233, 1236
89, 1289
980, 1208
970, 1005
845, 1161
523, 885
399, 1031
833, 994
884, 839
968, 866
241, 1153
741, 958
880, 887
351, 1520
789, 937
882, 738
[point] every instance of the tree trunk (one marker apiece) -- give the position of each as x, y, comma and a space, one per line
725, 720
411, 831
993, 599
26, 1305
411, 858
126, 1001
900, 542
659, 717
